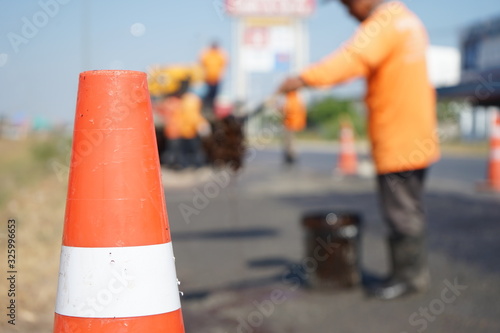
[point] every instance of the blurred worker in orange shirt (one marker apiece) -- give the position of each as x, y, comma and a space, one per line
183, 124
170, 110
389, 50
213, 61
294, 120
193, 125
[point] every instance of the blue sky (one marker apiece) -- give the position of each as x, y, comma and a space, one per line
39, 67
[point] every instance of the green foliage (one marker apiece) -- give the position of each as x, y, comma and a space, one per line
325, 116
53, 147
45, 150
448, 111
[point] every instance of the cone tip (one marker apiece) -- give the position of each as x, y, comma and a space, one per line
112, 72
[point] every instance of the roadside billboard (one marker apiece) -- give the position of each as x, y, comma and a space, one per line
267, 45
297, 8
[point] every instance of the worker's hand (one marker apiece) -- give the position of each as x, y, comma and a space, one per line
291, 84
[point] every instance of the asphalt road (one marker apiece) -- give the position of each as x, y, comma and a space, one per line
463, 169
240, 254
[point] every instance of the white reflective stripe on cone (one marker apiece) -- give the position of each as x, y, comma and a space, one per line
495, 154
495, 132
117, 281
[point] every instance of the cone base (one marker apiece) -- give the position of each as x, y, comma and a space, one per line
171, 322
348, 167
488, 186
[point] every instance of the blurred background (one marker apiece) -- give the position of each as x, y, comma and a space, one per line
45, 44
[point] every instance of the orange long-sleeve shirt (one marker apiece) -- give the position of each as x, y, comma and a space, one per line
214, 63
171, 111
389, 50
192, 119
182, 116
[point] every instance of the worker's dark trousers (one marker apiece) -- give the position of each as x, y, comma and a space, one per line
209, 99
400, 196
192, 152
288, 141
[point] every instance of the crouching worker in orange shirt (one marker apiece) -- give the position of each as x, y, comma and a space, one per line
294, 120
183, 126
193, 126
389, 50
170, 110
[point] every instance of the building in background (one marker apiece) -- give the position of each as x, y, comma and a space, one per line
443, 65
478, 92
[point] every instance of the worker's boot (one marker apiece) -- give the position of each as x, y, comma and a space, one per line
410, 273
289, 157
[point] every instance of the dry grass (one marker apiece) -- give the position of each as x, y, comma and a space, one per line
34, 196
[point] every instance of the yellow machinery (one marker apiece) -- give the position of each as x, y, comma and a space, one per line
167, 80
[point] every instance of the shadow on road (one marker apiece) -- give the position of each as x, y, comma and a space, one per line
229, 234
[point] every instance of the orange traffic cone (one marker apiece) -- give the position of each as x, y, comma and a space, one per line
347, 162
494, 161
117, 271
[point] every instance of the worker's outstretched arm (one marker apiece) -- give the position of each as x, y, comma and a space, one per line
356, 58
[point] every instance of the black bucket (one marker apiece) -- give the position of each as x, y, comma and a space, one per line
333, 243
